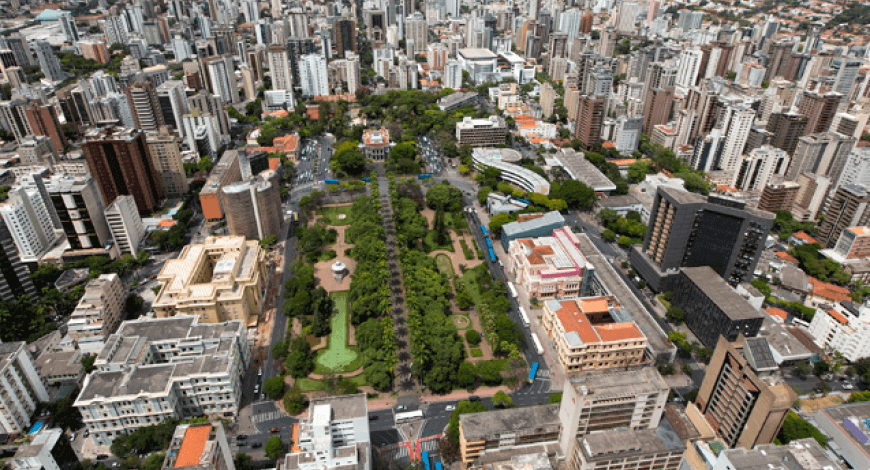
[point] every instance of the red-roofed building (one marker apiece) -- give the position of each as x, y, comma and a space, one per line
375, 144
786, 257
801, 238
844, 330
201, 446
548, 267
588, 337
825, 292
779, 315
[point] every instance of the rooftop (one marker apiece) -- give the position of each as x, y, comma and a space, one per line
481, 426
547, 219
470, 53
802, 454
579, 330
720, 293
192, 446
581, 169
343, 407
614, 384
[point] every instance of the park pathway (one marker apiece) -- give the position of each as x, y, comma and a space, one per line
405, 385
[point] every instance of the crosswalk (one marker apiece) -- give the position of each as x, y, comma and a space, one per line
263, 417
430, 445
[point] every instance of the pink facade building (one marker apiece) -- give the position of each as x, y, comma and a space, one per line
550, 267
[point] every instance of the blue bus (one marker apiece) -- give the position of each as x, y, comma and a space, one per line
483, 230
491, 255
366, 179
523, 201
329, 181
438, 465
533, 372
424, 456
424, 176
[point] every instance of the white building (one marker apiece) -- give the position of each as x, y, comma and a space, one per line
502, 159
480, 64
842, 329
453, 74
30, 222
690, 66
21, 388
335, 435
759, 166
279, 68
569, 22
352, 71
312, 74
739, 121
857, 168
168, 368
223, 79
125, 224
39, 453
626, 135
417, 30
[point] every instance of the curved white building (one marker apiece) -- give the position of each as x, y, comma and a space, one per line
502, 159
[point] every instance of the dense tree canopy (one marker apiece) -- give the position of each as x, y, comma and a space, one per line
444, 197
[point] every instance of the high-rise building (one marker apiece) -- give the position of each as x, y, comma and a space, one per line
31, 222
212, 105
253, 207
78, 204
417, 30
845, 72
120, 162
686, 229
756, 169
22, 391
345, 36
95, 50
126, 226
279, 68
166, 156
43, 121
48, 62
603, 400
481, 132
453, 74
334, 435
18, 45
626, 134
15, 280
657, 108
313, 76
856, 170
847, 207
742, 397
739, 121
15, 120
548, 99
778, 195
173, 103
822, 154
222, 78
147, 113
820, 109
590, 117
786, 128
100, 310
690, 67
296, 48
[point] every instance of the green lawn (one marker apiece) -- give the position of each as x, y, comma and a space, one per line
476, 352
444, 264
331, 215
337, 356
311, 385
429, 244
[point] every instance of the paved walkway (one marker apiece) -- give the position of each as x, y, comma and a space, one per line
323, 269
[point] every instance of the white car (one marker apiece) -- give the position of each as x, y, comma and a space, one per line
848, 386
449, 408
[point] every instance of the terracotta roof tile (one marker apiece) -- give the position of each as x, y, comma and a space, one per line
838, 316
786, 257
777, 312
618, 332
192, 446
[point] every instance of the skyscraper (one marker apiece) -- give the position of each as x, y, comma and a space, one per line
120, 162
313, 77
166, 156
590, 117
125, 224
31, 222
15, 280
43, 121
147, 113
756, 169
453, 74
847, 207
48, 62
741, 396
296, 48
819, 109
173, 103
79, 206
786, 128
345, 36
222, 78
417, 30
279, 68
686, 229
657, 109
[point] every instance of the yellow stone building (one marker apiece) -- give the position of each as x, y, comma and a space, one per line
218, 280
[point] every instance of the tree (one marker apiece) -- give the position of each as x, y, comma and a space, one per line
205, 164
279, 350
577, 195
440, 229
133, 305
821, 368
473, 337
65, 414
403, 158
794, 427
348, 159
155, 462
274, 387
242, 461
294, 401
299, 361
466, 375
502, 400
88, 363
489, 372
676, 315
498, 221
274, 448
608, 235
803, 368
856, 397
463, 407
444, 197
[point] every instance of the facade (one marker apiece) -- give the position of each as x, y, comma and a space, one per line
125, 224
61, 368
756, 169
219, 280
21, 389
481, 132
499, 430
820, 109
854, 243
800, 454
37, 150
845, 328
166, 157
778, 195
659, 448
592, 333
601, 401
591, 111
202, 446
31, 223
79, 206
787, 128
687, 229
581, 169
121, 164
335, 436
49, 450
847, 207
740, 397
712, 307
503, 159
376, 144
550, 267
313, 76
154, 369
225, 172
100, 310
43, 122
253, 207
15, 280
147, 113
846, 426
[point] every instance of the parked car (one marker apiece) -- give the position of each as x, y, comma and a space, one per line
241, 437
102, 456
449, 408
256, 445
